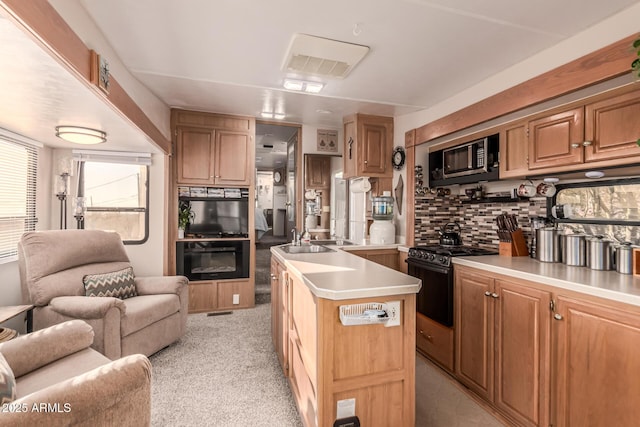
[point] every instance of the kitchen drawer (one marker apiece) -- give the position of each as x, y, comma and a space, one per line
435, 341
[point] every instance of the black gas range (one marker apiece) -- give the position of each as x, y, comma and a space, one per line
433, 265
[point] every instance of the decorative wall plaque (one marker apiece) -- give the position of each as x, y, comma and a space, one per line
327, 140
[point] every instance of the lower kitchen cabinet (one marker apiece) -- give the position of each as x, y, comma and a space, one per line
502, 345
220, 295
280, 313
598, 364
435, 340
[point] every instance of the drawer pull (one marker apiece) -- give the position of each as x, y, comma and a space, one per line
429, 337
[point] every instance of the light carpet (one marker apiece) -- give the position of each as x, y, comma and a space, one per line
223, 372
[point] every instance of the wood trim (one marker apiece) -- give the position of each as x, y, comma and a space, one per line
603, 64
41, 21
410, 199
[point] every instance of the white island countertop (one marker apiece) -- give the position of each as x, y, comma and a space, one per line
604, 284
339, 275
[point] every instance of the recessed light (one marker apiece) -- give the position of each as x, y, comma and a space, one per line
267, 115
594, 174
278, 116
324, 112
313, 87
303, 85
293, 84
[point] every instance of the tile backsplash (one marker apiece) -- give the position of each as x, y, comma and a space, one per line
477, 220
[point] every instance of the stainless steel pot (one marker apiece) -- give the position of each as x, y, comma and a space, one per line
449, 237
599, 253
574, 249
548, 244
624, 258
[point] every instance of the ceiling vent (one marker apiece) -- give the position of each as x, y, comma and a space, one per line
322, 57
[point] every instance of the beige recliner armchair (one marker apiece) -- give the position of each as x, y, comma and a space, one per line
53, 269
61, 381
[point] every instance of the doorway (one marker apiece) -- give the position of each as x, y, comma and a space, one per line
278, 194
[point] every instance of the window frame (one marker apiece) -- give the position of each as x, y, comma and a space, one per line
105, 209
552, 201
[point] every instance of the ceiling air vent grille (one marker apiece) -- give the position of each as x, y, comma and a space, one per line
322, 57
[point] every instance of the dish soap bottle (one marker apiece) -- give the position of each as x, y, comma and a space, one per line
306, 237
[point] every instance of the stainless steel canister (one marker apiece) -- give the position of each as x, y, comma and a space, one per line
548, 244
574, 249
624, 258
599, 255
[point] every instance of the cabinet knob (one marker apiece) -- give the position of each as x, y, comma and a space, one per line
494, 295
217, 176
274, 277
587, 143
575, 145
487, 294
557, 316
365, 162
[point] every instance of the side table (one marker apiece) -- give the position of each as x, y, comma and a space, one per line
12, 311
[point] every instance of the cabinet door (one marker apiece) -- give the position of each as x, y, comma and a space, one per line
279, 328
317, 172
473, 324
612, 129
203, 296
234, 158
556, 140
350, 148
275, 306
195, 156
375, 150
597, 366
514, 151
522, 355
235, 294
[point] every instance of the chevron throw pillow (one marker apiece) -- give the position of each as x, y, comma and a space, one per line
118, 284
7, 383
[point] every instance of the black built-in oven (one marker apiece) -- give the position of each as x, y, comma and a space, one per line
212, 259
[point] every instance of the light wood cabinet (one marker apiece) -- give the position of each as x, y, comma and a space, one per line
214, 157
599, 132
502, 346
597, 364
514, 152
329, 362
435, 340
280, 313
368, 145
214, 295
317, 172
387, 257
556, 140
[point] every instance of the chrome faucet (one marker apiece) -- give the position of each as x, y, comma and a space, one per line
296, 237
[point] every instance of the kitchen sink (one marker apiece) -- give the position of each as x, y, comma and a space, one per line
331, 242
305, 249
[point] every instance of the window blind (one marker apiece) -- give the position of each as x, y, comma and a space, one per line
18, 171
120, 157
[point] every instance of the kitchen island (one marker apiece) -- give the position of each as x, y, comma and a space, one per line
335, 370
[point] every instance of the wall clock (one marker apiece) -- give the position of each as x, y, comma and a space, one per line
278, 177
398, 157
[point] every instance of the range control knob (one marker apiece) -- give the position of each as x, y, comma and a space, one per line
442, 259
432, 257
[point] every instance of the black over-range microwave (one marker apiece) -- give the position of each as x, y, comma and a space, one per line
469, 162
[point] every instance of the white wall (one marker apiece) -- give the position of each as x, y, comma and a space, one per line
603, 34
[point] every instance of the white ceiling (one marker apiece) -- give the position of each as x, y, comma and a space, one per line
225, 56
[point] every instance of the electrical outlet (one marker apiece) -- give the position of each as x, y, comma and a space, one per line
236, 299
393, 311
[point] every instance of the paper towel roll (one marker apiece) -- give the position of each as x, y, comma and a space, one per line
360, 185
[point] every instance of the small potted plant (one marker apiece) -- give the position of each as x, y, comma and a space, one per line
185, 216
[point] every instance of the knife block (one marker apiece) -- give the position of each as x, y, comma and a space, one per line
516, 247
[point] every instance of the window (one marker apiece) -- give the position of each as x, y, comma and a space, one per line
116, 195
18, 169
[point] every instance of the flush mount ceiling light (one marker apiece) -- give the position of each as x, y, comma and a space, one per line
270, 115
303, 85
81, 135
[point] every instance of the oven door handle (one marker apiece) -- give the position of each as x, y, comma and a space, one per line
429, 267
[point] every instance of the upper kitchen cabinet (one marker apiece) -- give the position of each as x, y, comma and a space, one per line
213, 149
368, 143
598, 132
317, 172
556, 140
